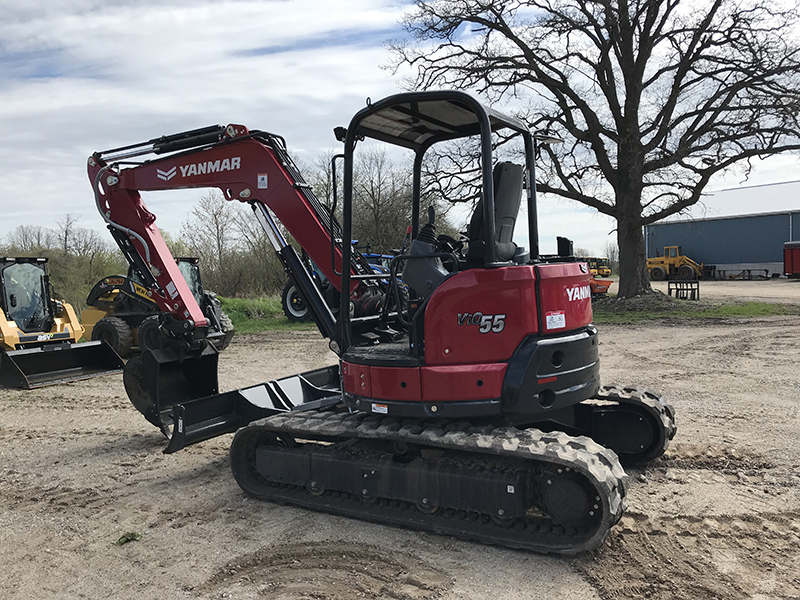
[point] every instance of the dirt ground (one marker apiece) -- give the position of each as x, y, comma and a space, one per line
717, 517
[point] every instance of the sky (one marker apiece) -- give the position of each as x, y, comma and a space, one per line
78, 76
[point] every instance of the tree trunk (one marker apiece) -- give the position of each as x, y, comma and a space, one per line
633, 277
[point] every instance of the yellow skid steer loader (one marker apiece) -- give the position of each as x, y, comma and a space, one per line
39, 335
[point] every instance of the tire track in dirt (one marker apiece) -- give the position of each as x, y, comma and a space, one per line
336, 571
728, 557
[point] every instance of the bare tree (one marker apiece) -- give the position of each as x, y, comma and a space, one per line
381, 201
78, 257
65, 230
652, 97
31, 239
211, 234
611, 251
264, 270
320, 176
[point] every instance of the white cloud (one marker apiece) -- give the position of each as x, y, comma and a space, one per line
79, 76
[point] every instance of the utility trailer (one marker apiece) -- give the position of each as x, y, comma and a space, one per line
791, 259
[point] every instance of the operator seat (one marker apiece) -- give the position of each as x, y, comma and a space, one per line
507, 197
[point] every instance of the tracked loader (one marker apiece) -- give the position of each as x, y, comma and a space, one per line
122, 313
39, 335
473, 407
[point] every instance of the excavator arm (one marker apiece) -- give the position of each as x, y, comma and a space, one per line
250, 167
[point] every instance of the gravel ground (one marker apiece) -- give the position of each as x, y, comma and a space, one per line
717, 517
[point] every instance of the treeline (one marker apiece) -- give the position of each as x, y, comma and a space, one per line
77, 257
236, 257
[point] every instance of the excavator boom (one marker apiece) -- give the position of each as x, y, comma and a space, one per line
251, 168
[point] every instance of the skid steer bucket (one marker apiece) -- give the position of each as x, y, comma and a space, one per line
58, 363
161, 378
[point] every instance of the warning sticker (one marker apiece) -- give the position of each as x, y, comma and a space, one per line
172, 290
380, 408
555, 319
262, 181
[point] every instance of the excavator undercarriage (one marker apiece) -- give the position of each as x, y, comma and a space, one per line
547, 492
470, 404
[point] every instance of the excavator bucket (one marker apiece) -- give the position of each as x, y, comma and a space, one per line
161, 378
37, 367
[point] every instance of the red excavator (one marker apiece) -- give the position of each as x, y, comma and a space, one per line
469, 406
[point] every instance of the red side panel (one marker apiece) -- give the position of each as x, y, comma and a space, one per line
356, 379
565, 296
392, 383
429, 384
462, 382
474, 322
480, 316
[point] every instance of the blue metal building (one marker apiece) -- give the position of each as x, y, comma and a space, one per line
733, 244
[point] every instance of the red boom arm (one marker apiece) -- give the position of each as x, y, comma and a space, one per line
244, 168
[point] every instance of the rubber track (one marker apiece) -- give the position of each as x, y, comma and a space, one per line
661, 411
546, 451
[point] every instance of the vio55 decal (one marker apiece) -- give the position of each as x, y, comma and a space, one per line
486, 323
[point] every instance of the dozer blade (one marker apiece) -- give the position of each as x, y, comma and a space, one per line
179, 395
59, 363
205, 418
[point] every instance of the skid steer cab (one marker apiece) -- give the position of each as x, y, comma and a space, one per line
39, 335
466, 397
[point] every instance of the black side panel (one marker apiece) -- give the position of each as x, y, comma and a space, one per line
547, 374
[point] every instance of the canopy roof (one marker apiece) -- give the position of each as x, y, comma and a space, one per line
419, 119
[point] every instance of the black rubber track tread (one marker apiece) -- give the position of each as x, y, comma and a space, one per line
597, 465
654, 404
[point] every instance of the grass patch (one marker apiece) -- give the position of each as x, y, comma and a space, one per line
659, 306
251, 315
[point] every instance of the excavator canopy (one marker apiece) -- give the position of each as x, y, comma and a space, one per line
415, 121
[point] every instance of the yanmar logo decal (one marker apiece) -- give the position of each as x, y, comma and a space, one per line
579, 293
211, 166
166, 175
202, 168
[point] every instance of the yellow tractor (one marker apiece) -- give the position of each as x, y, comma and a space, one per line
39, 335
673, 265
598, 266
